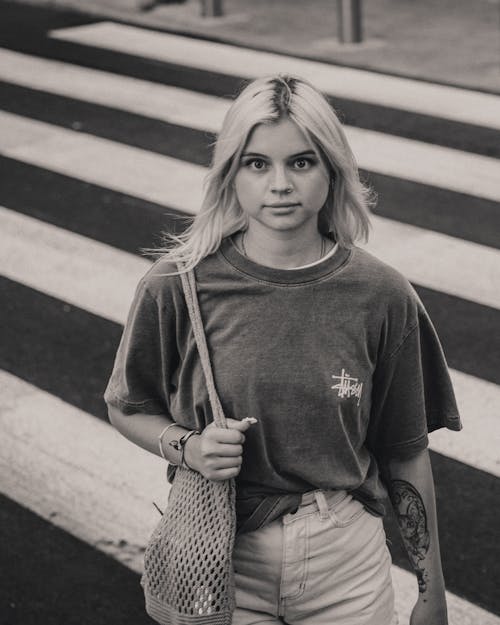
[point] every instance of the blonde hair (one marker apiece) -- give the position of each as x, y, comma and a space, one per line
345, 215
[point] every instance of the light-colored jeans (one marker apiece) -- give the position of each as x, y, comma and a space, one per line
326, 564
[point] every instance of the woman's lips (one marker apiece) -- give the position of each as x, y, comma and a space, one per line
281, 208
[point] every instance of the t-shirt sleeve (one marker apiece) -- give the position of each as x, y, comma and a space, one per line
412, 393
140, 380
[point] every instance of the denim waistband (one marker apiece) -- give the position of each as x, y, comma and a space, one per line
320, 500
331, 496
272, 507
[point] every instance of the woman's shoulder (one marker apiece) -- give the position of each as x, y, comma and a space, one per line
391, 300
382, 277
161, 278
389, 291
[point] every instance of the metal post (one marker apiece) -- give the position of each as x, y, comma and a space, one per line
349, 21
211, 8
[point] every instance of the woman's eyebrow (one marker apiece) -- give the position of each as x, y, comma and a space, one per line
254, 154
304, 153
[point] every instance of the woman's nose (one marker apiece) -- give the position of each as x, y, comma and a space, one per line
280, 182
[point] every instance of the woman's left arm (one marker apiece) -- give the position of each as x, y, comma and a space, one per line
411, 490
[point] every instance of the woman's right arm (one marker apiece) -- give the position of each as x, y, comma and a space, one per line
216, 453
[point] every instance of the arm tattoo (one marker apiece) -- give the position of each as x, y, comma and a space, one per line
412, 520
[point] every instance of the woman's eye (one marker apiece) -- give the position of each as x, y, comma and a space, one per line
303, 163
256, 163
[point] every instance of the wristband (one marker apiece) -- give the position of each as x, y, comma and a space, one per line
180, 445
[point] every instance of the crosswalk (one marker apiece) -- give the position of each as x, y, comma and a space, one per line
377, 152
124, 150
142, 174
410, 95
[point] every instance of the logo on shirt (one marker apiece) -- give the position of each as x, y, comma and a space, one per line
348, 386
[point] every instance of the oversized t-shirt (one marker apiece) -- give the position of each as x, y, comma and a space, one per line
338, 361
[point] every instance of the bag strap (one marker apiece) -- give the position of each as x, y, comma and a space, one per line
189, 286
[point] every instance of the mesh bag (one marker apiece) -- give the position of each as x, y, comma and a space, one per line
188, 573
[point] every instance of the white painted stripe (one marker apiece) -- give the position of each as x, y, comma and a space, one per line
429, 164
478, 445
402, 93
170, 104
377, 152
64, 465
438, 261
68, 266
122, 168
101, 279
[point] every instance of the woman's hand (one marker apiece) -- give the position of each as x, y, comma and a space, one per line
430, 610
217, 453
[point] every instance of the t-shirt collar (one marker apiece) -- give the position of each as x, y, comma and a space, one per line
231, 254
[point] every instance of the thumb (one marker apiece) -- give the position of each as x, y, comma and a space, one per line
241, 426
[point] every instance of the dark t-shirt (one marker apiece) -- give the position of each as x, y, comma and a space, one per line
338, 361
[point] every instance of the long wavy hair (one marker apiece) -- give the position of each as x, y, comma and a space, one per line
345, 214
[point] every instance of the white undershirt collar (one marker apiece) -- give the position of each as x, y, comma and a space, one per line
316, 262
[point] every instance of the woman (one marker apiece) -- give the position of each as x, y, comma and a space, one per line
325, 362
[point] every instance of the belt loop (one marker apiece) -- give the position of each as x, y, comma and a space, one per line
322, 504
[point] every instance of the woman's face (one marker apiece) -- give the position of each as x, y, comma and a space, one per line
281, 182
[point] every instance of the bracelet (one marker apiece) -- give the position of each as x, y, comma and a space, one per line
182, 444
177, 445
160, 439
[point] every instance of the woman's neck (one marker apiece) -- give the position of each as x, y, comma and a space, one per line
285, 251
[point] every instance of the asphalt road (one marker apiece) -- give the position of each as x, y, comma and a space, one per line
61, 346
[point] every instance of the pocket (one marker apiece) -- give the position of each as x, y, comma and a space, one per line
346, 511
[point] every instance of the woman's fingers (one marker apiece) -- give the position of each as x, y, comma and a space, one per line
225, 474
223, 436
233, 434
227, 463
221, 449
210, 447
219, 468
227, 450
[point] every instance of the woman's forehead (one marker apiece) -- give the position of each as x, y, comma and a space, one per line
280, 138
